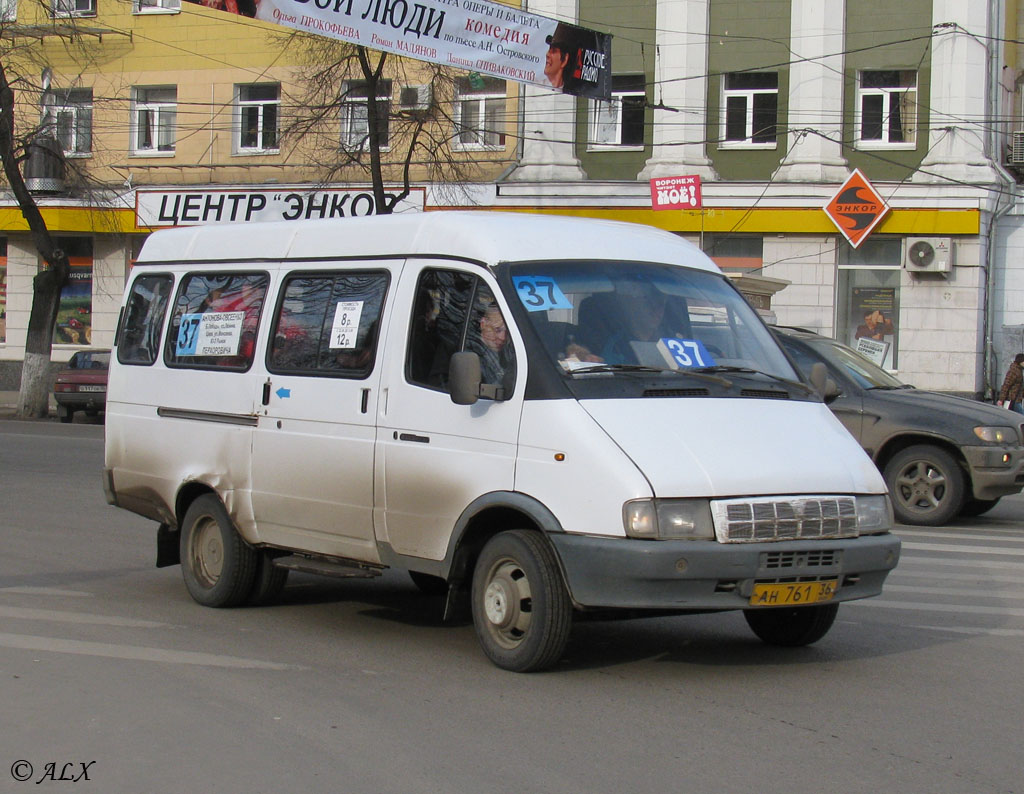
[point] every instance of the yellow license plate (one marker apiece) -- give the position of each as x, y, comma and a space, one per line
792, 593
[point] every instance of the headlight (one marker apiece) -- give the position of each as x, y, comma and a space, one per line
996, 435
668, 519
874, 514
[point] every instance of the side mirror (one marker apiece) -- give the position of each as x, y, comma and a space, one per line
822, 383
464, 378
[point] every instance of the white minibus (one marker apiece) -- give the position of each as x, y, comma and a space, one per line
536, 416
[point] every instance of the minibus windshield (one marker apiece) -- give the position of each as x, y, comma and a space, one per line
599, 317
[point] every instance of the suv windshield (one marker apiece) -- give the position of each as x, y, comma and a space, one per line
600, 317
867, 374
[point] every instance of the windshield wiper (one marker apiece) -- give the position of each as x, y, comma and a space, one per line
641, 368
751, 371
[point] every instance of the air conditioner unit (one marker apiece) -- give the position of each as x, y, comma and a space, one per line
1016, 154
929, 255
415, 98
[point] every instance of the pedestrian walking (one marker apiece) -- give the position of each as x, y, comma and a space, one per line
1012, 392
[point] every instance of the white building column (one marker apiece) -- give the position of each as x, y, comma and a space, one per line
958, 138
817, 40
680, 75
549, 120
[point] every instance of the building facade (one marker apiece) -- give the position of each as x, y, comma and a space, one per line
771, 103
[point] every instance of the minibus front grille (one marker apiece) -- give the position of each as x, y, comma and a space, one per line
776, 518
676, 392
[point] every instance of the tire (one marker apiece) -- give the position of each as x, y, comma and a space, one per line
521, 608
977, 507
218, 566
791, 627
65, 414
926, 484
268, 582
429, 585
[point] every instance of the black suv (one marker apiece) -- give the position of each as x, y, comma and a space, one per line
941, 456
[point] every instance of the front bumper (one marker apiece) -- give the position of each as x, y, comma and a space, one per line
995, 471
707, 575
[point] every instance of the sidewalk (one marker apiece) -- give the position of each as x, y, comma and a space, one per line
9, 404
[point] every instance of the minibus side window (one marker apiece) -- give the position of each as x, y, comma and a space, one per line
215, 319
456, 312
327, 324
145, 310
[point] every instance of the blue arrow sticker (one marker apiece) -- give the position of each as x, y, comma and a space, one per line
283, 393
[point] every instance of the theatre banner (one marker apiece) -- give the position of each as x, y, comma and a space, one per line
478, 36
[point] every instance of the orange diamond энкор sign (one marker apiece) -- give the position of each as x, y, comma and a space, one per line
856, 208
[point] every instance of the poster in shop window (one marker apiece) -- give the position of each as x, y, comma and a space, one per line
873, 319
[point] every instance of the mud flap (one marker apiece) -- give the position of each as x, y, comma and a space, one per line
167, 548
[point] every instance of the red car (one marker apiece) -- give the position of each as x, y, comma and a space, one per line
82, 385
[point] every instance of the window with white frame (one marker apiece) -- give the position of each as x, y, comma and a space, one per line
620, 121
750, 109
887, 109
479, 112
74, 8
71, 114
154, 118
8, 10
257, 107
155, 6
354, 111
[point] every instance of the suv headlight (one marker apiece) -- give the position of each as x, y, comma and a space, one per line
874, 515
996, 435
668, 519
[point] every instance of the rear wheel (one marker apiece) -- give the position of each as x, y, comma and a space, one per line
927, 485
218, 566
791, 627
521, 609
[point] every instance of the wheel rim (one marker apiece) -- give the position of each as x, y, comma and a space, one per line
921, 486
507, 603
207, 551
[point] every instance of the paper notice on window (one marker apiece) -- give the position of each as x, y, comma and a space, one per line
345, 328
210, 334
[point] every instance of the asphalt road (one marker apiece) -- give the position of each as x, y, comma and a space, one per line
110, 673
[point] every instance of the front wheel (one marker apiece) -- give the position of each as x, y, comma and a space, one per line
218, 566
521, 609
927, 485
791, 627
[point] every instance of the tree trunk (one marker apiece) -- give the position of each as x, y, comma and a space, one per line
33, 400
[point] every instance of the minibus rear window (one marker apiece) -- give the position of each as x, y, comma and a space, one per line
215, 320
144, 314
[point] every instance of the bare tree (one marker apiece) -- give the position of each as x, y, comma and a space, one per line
25, 132
417, 139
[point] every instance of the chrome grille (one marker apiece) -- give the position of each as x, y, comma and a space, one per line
784, 518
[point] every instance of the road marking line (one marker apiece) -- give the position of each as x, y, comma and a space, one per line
135, 653
19, 613
986, 564
994, 632
974, 592
979, 579
1018, 538
962, 549
913, 606
45, 591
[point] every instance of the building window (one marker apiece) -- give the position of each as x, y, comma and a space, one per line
868, 301
479, 113
74, 8
148, 6
8, 13
619, 122
71, 112
750, 109
355, 124
735, 253
257, 108
887, 109
154, 114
